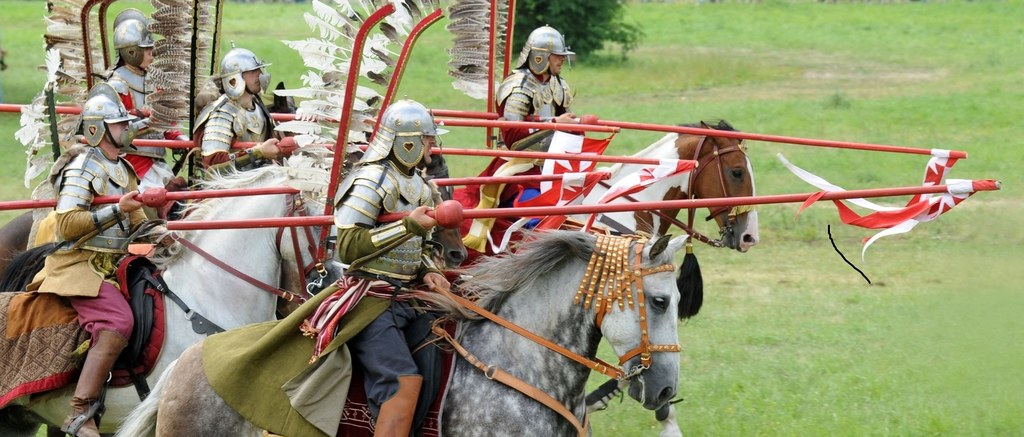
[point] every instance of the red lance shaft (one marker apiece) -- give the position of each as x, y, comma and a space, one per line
539, 211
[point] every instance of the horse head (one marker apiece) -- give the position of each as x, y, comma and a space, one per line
449, 248
724, 170
644, 331
282, 104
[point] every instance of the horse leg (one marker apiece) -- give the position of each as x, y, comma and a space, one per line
189, 406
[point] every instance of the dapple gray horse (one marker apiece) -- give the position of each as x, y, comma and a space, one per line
530, 288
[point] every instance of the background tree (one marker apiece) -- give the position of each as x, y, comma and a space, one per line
586, 24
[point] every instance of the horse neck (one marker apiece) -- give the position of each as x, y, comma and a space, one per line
668, 189
547, 310
220, 296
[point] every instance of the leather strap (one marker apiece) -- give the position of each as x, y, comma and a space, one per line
286, 295
596, 364
500, 375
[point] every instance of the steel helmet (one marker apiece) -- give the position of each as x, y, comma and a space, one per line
543, 41
132, 36
102, 108
401, 130
236, 62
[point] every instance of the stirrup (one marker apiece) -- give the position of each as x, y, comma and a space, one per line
76, 424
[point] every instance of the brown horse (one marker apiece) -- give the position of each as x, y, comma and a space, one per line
14, 238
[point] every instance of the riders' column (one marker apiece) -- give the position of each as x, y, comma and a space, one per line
91, 240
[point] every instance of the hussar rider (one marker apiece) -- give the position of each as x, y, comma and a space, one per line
238, 115
534, 91
386, 180
91, 240
134, 44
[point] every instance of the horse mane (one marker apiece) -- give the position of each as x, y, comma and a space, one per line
718, 124
306, 171
24, 266
495, 278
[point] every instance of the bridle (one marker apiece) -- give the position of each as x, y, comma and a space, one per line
296, 208
609, 280
733, 212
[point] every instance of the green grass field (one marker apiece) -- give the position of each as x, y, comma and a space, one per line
791, 340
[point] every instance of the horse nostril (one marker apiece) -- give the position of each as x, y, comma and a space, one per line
666, 395
747, 238
456, 255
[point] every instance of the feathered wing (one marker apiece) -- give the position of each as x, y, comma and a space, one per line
176, 61
65, 65
469, 23
328, 53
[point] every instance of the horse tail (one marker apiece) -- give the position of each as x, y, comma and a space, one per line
691, 285
24, 266
141, 422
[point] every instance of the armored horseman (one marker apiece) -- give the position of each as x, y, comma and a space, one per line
238, 115
534, 91
394, 255
134, 44
91, 240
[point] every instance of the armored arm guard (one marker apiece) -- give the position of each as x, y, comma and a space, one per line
218, 134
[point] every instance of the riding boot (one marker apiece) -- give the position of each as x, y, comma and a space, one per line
396, 414
107, 345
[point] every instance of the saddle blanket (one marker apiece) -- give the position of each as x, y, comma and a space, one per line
42, 345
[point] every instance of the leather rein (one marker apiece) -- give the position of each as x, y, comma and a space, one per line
609, 280
295, 208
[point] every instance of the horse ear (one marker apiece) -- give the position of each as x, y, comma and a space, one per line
658, 246
280, 86
677, 243
704, 125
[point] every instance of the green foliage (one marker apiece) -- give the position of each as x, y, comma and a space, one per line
588, 25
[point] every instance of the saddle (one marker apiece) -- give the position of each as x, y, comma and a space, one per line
141, 284
44, 345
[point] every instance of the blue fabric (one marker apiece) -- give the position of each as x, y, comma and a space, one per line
381, 350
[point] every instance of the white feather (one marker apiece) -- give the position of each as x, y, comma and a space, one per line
52, 65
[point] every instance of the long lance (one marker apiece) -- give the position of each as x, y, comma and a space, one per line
156, 197
173, 143
725, 134
540, 211
485, 119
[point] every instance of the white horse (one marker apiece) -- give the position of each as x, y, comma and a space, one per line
224, 299
637, 316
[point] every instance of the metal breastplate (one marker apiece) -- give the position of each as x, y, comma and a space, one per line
546, 100
98, 175
126, 81
250, 125
402, 193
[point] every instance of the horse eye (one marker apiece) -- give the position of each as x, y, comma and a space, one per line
659, 303
737, 173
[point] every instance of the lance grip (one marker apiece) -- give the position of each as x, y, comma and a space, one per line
448, 215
